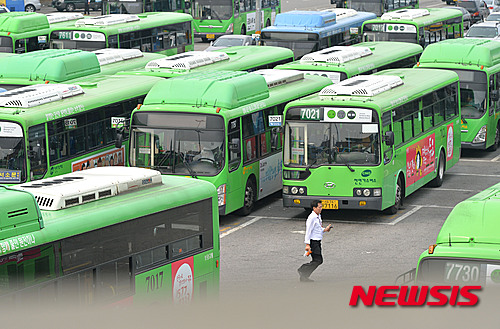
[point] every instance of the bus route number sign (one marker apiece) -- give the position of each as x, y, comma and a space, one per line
310, 114
65, 35
275, 120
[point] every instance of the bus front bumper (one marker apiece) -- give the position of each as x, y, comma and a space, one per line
474, 146
371, 203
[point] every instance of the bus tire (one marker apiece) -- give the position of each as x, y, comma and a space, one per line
243, 30
249, 198
204, 39
398, 202
494, 147
268, 23
70, 7
30, 8
438, 181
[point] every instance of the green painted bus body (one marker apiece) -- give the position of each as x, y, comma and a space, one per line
100, 93
384, 55
227, 97
466, 249
480, 59
241, 58
149, 22
49, 228
335, 182
440, 24
22, 32
234, 20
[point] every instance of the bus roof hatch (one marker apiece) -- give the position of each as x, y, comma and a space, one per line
34, 95
188, 61
107, 20
111, 55
405, 14
336, 54
88, 185
276, 78
342, 12
362, 85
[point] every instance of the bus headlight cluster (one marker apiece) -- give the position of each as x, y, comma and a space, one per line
221, 195
481, 135
367, 192
295, 190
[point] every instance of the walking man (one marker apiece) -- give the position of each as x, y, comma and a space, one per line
86, 10
314, 235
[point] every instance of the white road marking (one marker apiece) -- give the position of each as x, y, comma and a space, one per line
251, 221
467, 174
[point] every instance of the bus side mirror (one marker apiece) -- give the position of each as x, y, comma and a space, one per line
494, 95
389, 138
119, 137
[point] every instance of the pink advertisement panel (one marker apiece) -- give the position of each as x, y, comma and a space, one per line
420, 159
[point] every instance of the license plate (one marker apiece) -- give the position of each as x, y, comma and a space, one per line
330, 204
210, 36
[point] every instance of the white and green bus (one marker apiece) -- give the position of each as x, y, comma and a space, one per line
370, 141
222, 127
342, 62
477, 63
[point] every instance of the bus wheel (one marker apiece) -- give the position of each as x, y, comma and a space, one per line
438, 181
398, 199
243, 30
249, 200
494, 147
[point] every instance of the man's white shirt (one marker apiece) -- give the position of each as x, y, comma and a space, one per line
314, 228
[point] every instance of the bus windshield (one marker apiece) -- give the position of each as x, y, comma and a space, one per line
387, 32
212, 9
5, 45
12, 155
472, 93
372, 6
178, 143
331, 143
300, 43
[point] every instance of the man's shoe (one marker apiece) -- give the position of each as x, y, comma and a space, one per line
305, 279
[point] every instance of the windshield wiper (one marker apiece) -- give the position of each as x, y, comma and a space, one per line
216, 15
336, 148
188, 166
310, 165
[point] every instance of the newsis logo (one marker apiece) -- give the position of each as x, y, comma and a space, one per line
416, 295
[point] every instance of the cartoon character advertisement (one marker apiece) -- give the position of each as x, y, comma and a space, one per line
114, 157
420, 159
183, 280
449, 142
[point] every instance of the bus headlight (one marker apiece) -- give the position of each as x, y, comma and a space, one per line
294, 190
358, 192
230, 28
366, 192
377, 192
221, 195
301, 190
481, 135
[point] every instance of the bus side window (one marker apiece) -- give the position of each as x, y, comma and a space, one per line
234, 144
492, 87
386, 126
20, 46
497, 105
451, 101
427, 111
37, 151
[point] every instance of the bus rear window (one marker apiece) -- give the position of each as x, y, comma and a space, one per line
5, 45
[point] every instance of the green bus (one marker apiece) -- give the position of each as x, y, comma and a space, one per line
225, 130
22, 32
238, 58
477, 63
370, 141
213, 18
52, 129
342, 62
422, 26
166, 33
142, 6
466, 249
378, 7
109, 236
62, 65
